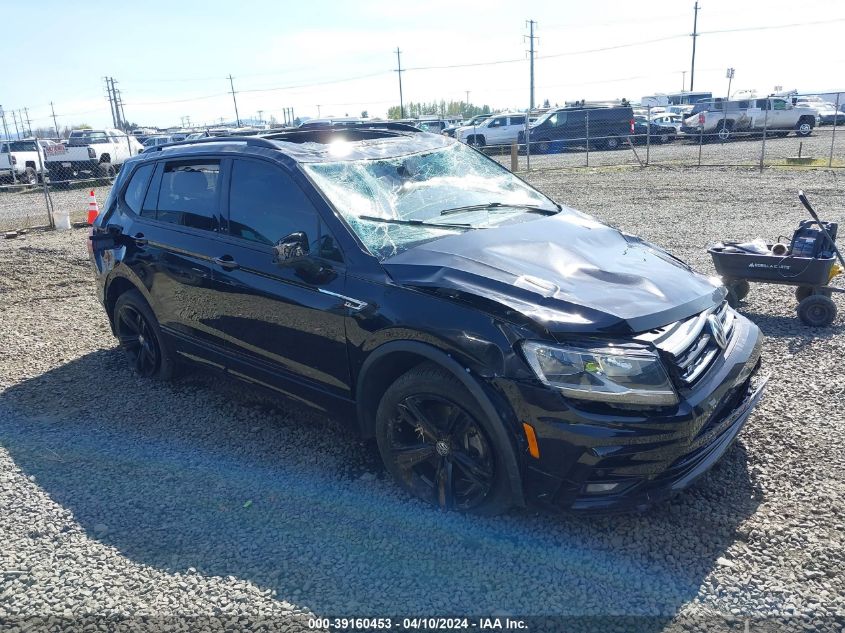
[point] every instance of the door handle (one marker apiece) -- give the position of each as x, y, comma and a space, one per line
226, 262
140, 240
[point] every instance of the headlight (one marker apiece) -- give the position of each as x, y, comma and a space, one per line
607, 374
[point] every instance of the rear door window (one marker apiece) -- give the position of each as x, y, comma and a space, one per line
188, 194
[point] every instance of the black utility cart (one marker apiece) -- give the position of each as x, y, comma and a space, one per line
809, 263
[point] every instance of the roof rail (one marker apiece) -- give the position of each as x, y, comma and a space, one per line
257, 141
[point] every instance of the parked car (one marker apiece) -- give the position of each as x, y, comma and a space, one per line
556, 130
668, 119
828, 115
91, 153
501, 349
472, 122
498, 129
727, 119
435, 126
25, 158
653, 132
155, 141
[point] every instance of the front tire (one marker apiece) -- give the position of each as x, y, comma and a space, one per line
30, 177
139, 335
438, 445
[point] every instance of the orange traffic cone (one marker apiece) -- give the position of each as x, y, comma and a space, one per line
93, 208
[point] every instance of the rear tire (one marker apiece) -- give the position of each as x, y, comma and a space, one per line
439, 446
30, 176
724, 131
817, 311
803, 128
543, 146
140, 337
107, 170
612, 142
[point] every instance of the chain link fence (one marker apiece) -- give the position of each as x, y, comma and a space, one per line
42, 179
790, 131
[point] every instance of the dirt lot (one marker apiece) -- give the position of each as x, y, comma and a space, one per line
127, 499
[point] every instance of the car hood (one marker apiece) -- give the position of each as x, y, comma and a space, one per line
568, 273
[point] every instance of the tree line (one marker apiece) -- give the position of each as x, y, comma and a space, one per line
442, 108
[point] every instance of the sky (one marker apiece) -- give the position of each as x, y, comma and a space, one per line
330, 57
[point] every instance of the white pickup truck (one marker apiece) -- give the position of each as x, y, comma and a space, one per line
91, 153
24, 158
727, 119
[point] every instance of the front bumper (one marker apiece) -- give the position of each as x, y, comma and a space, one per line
649, 455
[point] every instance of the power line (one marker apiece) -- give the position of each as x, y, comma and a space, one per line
772, 27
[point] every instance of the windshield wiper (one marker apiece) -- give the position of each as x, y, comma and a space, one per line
497, 205
373, 218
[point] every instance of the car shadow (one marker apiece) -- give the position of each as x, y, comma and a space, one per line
205, 476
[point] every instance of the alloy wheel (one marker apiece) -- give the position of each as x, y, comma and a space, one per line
138, 340
441, 452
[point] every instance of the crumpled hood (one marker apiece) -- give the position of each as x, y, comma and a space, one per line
568, 273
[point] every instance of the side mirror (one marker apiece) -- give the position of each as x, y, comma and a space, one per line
291, 249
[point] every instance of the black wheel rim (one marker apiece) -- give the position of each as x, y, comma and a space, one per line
138, 340
441, 452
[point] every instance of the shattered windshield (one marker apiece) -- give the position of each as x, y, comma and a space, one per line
396, 203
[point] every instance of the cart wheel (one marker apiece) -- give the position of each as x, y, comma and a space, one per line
802, 292
740, 288
817, 311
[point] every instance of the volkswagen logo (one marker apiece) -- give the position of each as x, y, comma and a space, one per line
717, 331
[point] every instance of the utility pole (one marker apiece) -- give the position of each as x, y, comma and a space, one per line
318, 111
15, 121
111, 101
28, 123
8, 145
399, 71
531, 39
55, 123
120, 117
234, 99
694, 37
683, 80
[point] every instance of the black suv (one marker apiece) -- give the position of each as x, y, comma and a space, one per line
501, 349
596, 127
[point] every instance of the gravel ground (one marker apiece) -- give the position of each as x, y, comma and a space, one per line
125, 499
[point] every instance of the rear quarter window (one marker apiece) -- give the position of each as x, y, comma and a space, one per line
137, 187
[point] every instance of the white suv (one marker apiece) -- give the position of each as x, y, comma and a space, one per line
499, 129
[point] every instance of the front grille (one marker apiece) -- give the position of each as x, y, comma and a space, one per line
690, 346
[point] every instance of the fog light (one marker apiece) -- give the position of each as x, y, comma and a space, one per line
600, 488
